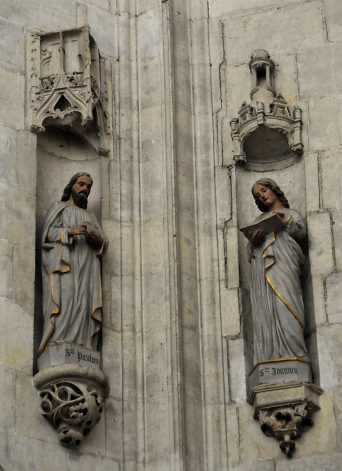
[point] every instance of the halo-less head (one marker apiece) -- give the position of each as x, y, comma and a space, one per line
276, 193
79, 188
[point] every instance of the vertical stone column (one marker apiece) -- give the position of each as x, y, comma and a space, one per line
204, 427
147, 277
172, 368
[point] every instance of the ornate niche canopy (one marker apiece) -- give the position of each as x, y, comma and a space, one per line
68, 86
267, 119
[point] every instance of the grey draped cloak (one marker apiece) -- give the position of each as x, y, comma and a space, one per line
71, 275
276, 295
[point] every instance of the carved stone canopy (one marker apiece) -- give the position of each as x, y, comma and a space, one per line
268, 122
68, 86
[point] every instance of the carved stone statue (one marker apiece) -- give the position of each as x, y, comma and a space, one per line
276, 259
72, 245
280, 382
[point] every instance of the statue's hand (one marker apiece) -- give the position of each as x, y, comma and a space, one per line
92, 236
90, 229
77, 230
280, 213
258, 237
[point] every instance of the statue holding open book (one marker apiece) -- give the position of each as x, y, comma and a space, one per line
277, 260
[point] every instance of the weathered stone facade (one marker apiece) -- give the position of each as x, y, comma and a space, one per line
176, 337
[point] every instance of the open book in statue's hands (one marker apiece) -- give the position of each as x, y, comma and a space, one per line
272, 223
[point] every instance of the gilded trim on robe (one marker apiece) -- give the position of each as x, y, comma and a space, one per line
96, 308
100, 253
271, 283
289, 219
55, 312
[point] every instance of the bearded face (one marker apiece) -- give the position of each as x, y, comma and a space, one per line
80, 199
80, 191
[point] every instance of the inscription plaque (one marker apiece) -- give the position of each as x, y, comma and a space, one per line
280, 372
66, 353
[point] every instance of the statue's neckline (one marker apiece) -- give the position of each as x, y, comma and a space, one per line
77, 207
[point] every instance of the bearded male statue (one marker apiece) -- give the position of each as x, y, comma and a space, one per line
72, 245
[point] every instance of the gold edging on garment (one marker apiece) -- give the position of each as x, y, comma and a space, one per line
272, 285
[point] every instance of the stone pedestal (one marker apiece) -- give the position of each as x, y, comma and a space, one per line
285, 410
72, 398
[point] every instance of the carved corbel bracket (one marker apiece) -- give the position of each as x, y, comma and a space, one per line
69, 85
285, 410
268, 109
72, 398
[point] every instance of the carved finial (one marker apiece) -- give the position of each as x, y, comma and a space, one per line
262, 66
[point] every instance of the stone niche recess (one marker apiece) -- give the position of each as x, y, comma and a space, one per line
267, 142
69, 106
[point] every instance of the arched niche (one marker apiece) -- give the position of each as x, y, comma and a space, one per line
267, 149
60, 154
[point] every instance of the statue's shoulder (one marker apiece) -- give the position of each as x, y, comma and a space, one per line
294, 211
295, 214
59, 204
56, 208
53, 212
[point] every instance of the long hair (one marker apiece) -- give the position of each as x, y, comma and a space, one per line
272, 185
67, 190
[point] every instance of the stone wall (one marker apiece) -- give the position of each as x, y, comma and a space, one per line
173, 341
